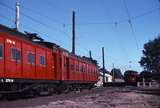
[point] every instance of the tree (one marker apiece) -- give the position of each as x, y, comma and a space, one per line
151, 56
145, 75
116, 73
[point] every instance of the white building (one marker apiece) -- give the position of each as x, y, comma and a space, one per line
108, 78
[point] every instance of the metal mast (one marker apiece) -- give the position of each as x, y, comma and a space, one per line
17, 15
103, 65
90, 54
73, 32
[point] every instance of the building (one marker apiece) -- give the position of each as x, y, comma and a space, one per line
108, 77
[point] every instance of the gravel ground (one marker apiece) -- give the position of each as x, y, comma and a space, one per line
95, 98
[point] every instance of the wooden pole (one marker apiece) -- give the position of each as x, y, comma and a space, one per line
73, 32
103, 66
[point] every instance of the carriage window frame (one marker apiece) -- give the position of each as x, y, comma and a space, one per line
28, 57
42, 60
18, 55
1, 51
31, 58
77, 67
81, 68
13, 53
72, 67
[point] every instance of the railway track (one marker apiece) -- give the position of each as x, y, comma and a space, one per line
40, 100
94, 97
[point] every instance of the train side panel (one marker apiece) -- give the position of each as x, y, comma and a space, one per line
2, 56
57, 67
80, 71
50, 64
71, 68
40, 63
21, 58
13, 64
29, 68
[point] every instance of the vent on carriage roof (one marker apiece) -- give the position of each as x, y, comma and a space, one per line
33, 36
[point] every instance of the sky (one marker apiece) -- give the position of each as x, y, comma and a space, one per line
120, 26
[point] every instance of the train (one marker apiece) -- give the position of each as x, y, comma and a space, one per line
131, 77
29, 64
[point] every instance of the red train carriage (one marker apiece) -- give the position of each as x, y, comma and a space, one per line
131, 77
28, 65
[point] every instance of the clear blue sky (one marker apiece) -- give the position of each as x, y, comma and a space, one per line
99, 23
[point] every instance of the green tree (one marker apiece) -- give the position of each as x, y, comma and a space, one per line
146, 75
116, 73
151, 56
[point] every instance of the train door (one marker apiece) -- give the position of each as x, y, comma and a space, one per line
58, 61
18, 60
50, 66
80, 71
67, 68
71, 69
13, 58
28, 61
40, 63
77, 70
1, 57
54, 68
60, 68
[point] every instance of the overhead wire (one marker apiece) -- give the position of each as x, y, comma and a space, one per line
131, 25
121, 20
64, 26
39, 22
42, 15
115, 30
6, 18
120, 42
26, 26
91, 23
35, 20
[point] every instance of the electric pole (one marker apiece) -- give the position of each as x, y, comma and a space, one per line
113, 74
90, 54
73, 32
103, 66
17, 15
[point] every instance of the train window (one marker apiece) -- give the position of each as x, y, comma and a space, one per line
42, 60
84, 69
60, 60
72, 67
28, 57
81, 68
18, 55
65, 62
33, 58
89, 69
77, 67
13, 53
1, 52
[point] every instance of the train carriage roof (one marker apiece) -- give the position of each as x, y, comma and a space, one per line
27, 36
33, 36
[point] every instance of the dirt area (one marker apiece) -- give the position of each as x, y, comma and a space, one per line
96, 98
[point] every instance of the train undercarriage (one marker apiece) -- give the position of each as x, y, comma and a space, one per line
33, 88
